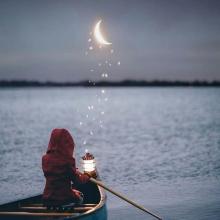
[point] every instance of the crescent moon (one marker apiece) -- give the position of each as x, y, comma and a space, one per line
98, 34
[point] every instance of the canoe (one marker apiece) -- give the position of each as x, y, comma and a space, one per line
93, 207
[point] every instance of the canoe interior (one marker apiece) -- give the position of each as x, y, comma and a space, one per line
94, 198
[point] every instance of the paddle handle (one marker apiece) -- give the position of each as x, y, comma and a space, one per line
123, 197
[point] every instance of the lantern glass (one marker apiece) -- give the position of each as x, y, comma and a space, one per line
88, 165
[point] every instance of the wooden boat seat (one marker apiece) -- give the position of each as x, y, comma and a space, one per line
76, 205
66, 207
72, 207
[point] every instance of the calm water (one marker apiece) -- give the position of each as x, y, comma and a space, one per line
158, 146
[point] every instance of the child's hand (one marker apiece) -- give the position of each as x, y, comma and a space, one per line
91, 174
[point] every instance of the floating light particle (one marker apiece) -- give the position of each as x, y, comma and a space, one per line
111, 51
100, 64
106, 61
80, 123
106, 99
84, 142
110, 64
91, 48
90, 107
118, 63
102, 113
91, 133
103, 91
89, 40
91, 70
87, 116
100, 122
104, 75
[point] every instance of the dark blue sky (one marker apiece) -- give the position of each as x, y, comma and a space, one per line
156, 39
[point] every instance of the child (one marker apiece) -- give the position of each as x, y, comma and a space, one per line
59, 169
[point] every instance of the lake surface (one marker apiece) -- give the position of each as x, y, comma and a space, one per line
158, 146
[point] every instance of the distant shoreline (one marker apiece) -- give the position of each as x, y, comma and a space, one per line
124, 83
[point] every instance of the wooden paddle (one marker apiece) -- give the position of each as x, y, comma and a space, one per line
123, 197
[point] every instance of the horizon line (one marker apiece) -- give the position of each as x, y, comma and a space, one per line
121, 83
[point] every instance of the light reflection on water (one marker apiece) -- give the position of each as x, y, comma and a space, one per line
163, 139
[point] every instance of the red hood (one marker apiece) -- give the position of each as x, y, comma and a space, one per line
61, 142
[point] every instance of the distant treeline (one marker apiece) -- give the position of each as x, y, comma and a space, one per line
124, 83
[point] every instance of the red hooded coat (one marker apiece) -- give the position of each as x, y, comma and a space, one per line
59, 169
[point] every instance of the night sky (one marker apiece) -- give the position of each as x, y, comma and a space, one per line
153, 39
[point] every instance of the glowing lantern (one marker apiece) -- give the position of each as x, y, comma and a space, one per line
88, 163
